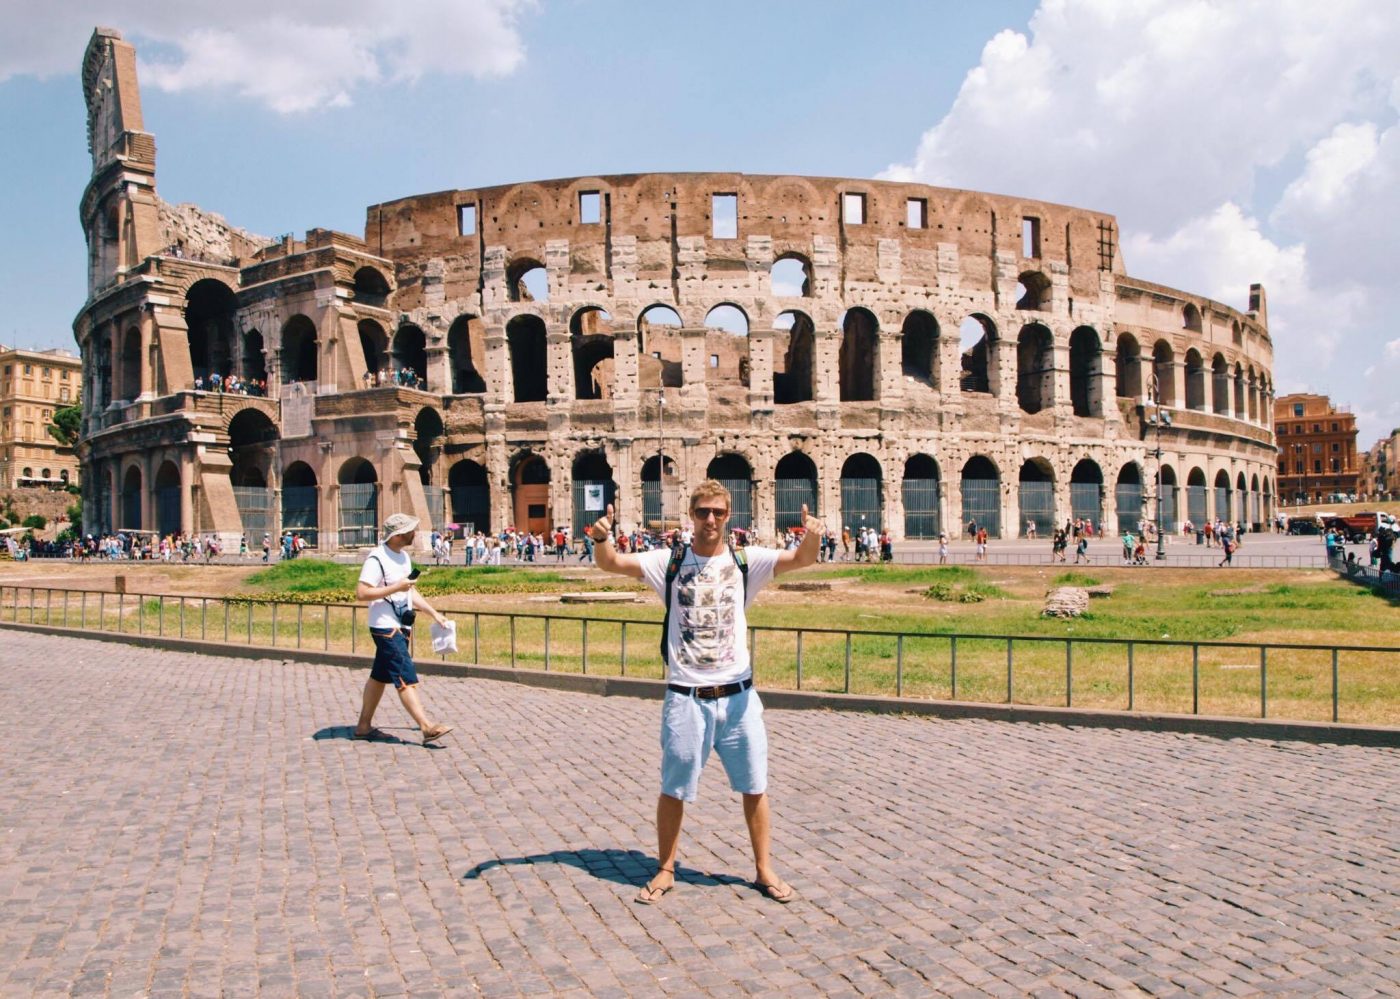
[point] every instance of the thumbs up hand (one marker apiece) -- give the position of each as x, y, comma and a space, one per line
602, 527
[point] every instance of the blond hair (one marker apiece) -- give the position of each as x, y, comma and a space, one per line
710, 489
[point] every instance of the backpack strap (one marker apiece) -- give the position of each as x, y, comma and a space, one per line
741, 559
673, 569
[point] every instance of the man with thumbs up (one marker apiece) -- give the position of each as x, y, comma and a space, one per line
710, 701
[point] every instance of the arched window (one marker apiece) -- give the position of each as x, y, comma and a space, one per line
795, 483
529, 358
466, 349
471, 496
1033, 292
300, 350
591, 342
1035, 368
410, 357
981, 496
860, 355
790, 277
1128, 368
976, 338
1195, 381
1086, 372
920, 493
794, 345
527, 281
374, 343
1086, 492
862, 493
919, 347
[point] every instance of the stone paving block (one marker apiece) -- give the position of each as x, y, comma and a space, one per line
263, 852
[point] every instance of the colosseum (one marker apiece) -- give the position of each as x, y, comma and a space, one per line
891, 354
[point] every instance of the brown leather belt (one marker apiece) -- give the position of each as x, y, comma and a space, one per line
712, 693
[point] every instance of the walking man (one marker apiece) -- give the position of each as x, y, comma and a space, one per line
394, 603
710, 701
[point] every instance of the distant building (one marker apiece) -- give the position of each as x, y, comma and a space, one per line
34, 383
1380, 470
1317, 460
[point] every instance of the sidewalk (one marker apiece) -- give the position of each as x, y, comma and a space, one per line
182, 825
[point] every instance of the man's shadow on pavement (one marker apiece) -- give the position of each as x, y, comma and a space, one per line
381, 736
623, 867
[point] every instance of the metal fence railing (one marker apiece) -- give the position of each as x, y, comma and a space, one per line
1295, 681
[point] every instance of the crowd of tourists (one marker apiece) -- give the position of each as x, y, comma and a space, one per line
233, 384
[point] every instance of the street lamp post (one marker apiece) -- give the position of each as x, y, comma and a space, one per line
661, 455
1159, 417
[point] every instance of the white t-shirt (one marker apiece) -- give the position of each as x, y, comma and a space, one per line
708, 637
382, 567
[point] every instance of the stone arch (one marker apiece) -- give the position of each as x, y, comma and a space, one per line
1036, 496
591, 345
977, 336
531, 505
795, 483
862, 492
919, 492
527, 280
359, 503
1164, 373
471, 496
252, 437
594, 488
1191, 318
1086, 372
131, 499
1035, 368
411, 354
254, 366
1224, 494
1128, 496
529, 358
301, 508
1128, 367
300, 350
728, 317
1196, 493
1086, 491
659, 347
466, 353
793, 358
919, 347
790, 276
371, 288
166, 488
1220, 385
736, 473
1195, 380
1033, 292
981, 495
374, 344
1167, 486
661, 495
860, 355
210, 308
131, 364
428, 433
1240, 513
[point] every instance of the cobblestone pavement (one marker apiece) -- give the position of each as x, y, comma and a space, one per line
185, 825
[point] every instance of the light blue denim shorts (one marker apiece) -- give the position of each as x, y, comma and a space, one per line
732, 726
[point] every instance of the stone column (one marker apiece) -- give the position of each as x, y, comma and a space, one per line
761, 378
147, 332
826, 377
695, 394
559, 378
187, 494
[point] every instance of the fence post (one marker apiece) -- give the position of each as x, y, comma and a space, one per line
953, 666
300, 609
546, 645
326, 627
224, 601
1130, 676
623, 666
203, 618
274, 624
848, 663
512, 641
250, 622
799, 659
1195, 679
1008, 671
476, 638
1263, 681
1069, 673
354, 625
584, 642
899, 666
1334, 684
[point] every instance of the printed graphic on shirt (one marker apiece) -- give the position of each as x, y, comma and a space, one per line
706, 603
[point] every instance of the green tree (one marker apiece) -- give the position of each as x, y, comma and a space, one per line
66, 425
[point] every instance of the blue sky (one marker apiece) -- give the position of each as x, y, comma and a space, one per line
1236, 140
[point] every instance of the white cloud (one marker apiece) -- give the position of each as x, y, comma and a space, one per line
1237, 141
291, 57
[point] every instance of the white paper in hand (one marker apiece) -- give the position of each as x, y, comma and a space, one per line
444, 636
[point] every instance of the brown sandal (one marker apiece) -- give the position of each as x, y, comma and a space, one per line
653, 893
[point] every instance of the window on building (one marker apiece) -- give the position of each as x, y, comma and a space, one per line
1283, 430
1297, 409
714, 360
1030, 236
916, 213
853, 209
590, 207
1317, 466
64, 374
7, 368
1336, 465
1336, 447
62, 395
466, 220
1317, 447
724, 216
29, 369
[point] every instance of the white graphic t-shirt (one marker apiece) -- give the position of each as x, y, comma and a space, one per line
708, 639
383, 567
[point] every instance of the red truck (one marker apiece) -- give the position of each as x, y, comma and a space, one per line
1357, 527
